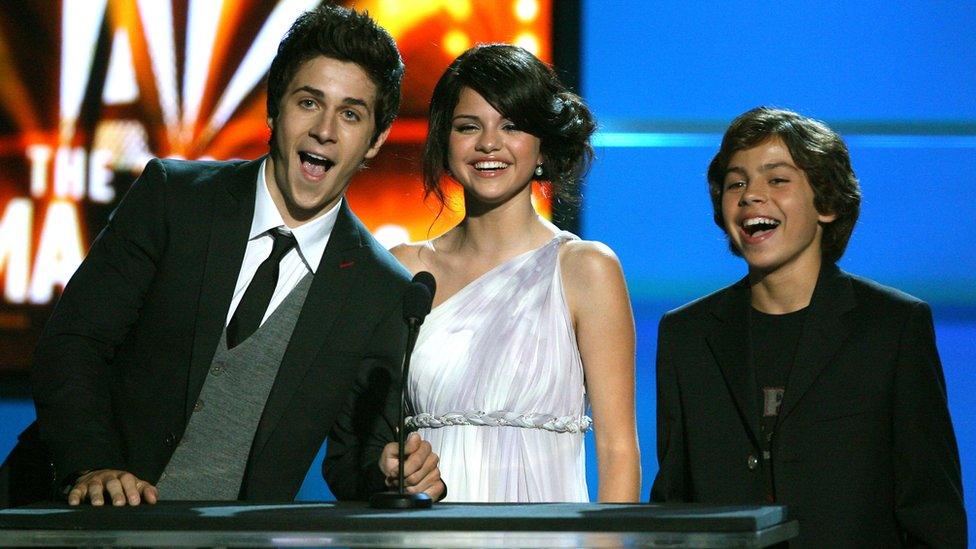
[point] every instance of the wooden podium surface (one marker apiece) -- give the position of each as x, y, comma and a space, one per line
301, 524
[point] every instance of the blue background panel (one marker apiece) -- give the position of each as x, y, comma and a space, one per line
897, 80
917, 229
879, 61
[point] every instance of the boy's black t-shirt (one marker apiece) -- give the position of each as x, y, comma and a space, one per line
773, 340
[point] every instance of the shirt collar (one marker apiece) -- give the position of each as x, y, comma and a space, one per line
312, 237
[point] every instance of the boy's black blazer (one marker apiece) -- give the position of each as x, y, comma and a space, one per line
129, 345
864, 452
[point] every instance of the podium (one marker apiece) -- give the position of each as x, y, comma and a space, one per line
305, 524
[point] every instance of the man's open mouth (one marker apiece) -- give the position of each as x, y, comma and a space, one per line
315, 165
757, 226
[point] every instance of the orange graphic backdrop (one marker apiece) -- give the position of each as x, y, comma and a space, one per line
91, 89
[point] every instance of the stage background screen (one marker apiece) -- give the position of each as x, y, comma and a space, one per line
90, 90
664, 80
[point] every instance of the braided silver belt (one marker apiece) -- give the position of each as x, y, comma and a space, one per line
564, 424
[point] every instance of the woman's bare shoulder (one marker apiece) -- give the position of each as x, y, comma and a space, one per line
587, 260
412, 255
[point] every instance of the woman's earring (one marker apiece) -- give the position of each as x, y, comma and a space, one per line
538, 170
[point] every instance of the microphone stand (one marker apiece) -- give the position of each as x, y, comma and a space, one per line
400, 499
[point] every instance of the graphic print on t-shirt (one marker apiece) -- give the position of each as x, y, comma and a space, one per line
772, 398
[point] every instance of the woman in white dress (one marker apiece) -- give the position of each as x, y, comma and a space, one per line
530, 324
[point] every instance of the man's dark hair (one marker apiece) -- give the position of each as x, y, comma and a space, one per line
816, 149
345, 35
526, 91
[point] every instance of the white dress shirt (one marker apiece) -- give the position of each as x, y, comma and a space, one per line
304, 258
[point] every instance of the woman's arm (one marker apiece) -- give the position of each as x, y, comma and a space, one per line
604, 323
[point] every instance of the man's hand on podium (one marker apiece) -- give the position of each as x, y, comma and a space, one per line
122, 488
420, 471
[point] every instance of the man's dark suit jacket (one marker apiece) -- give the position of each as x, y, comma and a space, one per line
864, 452
130, 343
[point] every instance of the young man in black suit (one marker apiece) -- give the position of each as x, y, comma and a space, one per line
802, 384
232, 315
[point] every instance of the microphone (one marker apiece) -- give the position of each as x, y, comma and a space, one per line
416, 305
417, 299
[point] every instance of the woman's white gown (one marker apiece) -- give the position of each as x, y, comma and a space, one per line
496, 386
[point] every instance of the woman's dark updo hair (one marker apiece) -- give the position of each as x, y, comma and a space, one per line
526, 91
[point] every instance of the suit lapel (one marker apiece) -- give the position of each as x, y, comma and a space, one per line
341, 265
825, 330
233, 210
729, 343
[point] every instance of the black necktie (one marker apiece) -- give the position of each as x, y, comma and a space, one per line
256, 298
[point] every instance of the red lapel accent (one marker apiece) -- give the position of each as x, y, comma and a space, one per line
345, 264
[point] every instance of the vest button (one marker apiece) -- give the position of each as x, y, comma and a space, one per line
217, 369
198, 406
170, 439
752, 462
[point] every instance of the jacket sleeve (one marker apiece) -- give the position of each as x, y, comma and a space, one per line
928, 481
72, 370
670, 482
368, 420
